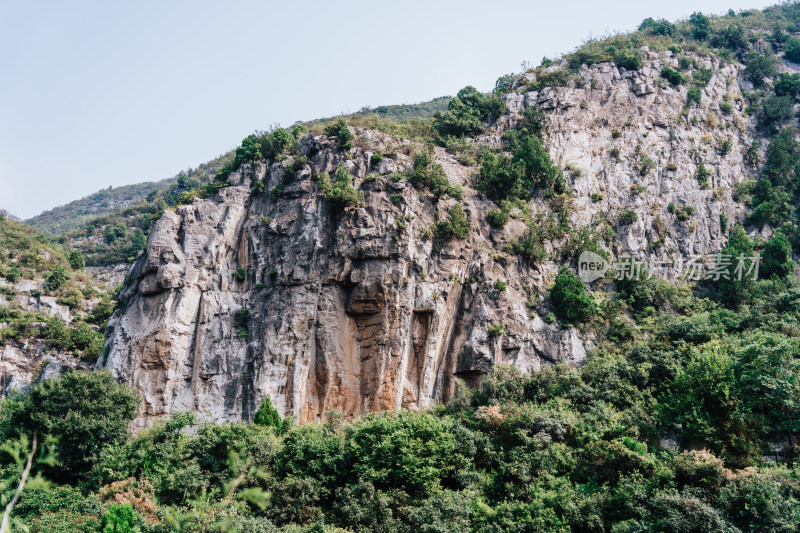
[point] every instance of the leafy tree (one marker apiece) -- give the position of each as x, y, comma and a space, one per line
657, 27
102, 311
735, 287
57, 333
775, 110
76, 260
791, 50
758, 67
787, 84
467, 112
57, 278
267, 415
570, 298
701, 26
341, 132
85, 411
138, 242
776, 259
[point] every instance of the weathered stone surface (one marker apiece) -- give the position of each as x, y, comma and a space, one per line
349, 310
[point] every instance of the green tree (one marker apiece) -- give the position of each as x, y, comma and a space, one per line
85, 411
735, 287
570, 298
121, 518
467, 112
341, 132
76, 260
267, 415
776, 259
792, 50
138, 242
758, 67
57, 278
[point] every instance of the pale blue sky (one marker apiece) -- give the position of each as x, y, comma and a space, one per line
99, 93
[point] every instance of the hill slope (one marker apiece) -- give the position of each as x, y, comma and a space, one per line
428, 268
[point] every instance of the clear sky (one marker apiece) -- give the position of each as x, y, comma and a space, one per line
99, 93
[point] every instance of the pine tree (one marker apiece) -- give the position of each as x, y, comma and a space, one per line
267, 415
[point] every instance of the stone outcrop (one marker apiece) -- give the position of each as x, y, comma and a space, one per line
242, 295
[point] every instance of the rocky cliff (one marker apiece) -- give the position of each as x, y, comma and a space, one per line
245, 294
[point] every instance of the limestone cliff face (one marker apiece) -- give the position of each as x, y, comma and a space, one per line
354, 309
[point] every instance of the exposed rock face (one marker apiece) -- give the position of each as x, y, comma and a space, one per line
29, 360
356, 309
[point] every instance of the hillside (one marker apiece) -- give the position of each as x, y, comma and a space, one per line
109, 202
52, 312
384, 322
71, 216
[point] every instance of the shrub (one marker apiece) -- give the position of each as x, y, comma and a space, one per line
76, 260
734, 291
787, 85
240, 274
531, 245
628, 216
121, 518
672, 75
57, 278
432, 176
758, 67
702, 175
495, 330
725, 146
628, 60
12, 274
102, 311
497, 217
776, 109
645, 165
57, 333
341, 192
569, 297
341, 132
457, 224
731, 37
701, 26
87, 340
684, 213
241, 322
375, 159
501, 178
267, 415
500, 285
792, 50
693, 95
